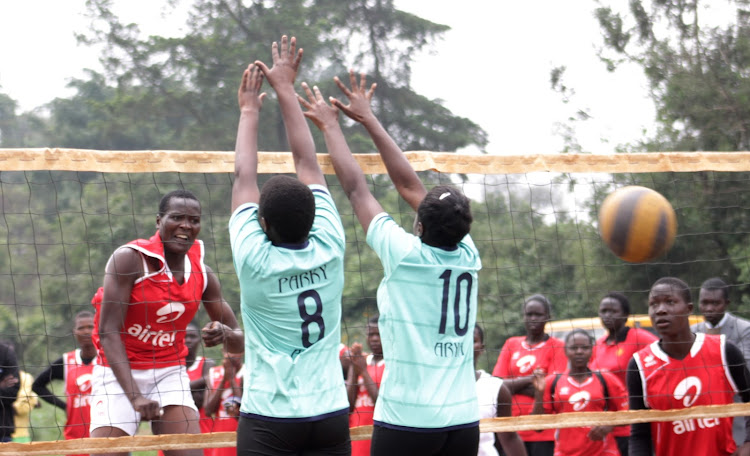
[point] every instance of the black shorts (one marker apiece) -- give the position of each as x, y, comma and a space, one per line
329, 436
396, 442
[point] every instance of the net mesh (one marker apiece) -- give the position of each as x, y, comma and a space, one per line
64, 211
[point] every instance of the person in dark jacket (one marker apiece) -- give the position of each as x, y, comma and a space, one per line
9, 385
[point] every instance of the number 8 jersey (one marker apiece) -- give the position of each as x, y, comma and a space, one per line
291, 312
428, 307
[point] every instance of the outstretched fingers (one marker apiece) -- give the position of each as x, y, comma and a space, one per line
316, 108
344, 89
255, 78
262, 66
304, 102
248, 93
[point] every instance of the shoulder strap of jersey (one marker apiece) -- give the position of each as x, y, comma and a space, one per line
554, 387
605, 389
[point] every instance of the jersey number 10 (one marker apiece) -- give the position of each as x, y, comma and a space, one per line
465, 277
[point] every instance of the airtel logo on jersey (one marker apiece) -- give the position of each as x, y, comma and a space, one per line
170, 312
525, 363
579, 400
84, 383
688, 391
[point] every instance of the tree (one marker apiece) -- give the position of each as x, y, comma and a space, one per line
180, 93
697, 73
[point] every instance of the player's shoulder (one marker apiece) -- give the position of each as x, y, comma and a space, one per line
609, 377
641, 335
323, 197
514, 341
555, 342
742, 323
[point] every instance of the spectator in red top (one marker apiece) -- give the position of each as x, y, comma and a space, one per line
520, 357
614, 350
683, 370
223, 398
74, 369
580, 390
363, 384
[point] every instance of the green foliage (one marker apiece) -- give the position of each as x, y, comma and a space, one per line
700, 86
58, 228
180, 92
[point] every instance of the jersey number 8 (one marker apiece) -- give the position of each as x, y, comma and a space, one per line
310, 318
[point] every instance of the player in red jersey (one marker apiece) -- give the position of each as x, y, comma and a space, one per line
74, 369
198, 370
363, 383
152, 290
223, 398
682, 370
520, 357
580, 390
614, 350
494, 400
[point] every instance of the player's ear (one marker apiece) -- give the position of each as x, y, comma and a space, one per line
418, 229
690, 307
264, 224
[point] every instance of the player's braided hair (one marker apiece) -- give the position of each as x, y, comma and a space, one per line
445, 214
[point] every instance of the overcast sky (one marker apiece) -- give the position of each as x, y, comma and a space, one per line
492, 67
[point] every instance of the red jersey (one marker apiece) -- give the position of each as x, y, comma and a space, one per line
589, 396
223, 422
195, 371
614, 357
519, 359
364, 407
77, 379
701, 378
160, 308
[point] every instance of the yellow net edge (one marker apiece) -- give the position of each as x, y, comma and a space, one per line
59, 159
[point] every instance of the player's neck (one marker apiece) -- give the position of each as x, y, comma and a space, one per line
579, 374
679, 346
533, 339
88, 352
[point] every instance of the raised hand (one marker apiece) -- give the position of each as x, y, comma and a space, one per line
321, 114
359, 97
346, 359
358, 359
248, 95
285, 63
538, 380
214, 333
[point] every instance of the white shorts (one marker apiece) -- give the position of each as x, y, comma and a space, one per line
110, 407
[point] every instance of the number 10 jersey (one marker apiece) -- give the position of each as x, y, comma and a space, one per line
428, 308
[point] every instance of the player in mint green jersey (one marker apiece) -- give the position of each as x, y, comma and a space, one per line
427, 300
288, 248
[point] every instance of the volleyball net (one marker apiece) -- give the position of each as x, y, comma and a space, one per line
64, 212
